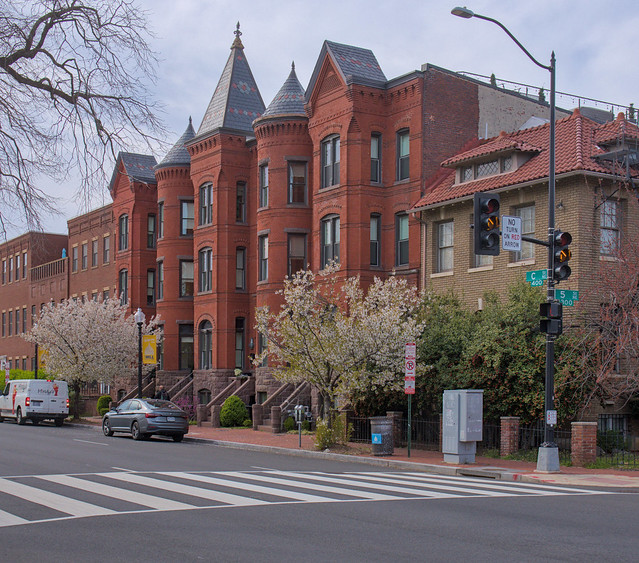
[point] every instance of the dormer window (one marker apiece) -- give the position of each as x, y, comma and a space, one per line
487, 168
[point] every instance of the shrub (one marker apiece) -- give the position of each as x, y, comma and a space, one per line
290, 424
103, 403
306, 426
247, 423
103, 411
338, 433
233, 412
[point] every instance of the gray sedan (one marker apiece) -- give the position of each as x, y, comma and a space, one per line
143, 417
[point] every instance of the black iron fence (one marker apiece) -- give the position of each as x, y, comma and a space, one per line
618, 449
615, 449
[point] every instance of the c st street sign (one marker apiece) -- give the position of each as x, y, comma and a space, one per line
536, 277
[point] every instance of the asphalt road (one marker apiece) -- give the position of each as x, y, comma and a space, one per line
72, 494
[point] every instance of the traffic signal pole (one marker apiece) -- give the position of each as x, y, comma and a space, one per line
548, 456
548, 459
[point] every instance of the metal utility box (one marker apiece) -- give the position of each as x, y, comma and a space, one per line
462, 424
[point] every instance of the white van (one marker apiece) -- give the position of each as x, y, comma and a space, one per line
36, 400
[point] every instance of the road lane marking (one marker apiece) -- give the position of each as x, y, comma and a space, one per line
142, 499
249, 487
312, 486
8, 519
226, 498
52, 500
89, 442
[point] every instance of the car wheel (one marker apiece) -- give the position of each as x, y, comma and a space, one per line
177, 437
59, 421
1, 418
135, 431
106, 428
19, 418
35, 421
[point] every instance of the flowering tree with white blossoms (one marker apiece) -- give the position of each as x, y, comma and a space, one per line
338, 337
88, 341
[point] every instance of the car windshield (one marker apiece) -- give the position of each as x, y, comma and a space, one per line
160, 404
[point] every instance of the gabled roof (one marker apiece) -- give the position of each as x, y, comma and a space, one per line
178, 155
236, 102
354, 64
576, 150
138, 167
290, 98
503, 143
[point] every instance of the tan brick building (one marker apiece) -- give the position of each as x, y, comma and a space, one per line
595, 202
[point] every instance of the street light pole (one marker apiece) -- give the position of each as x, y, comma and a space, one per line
139, 319
548, 457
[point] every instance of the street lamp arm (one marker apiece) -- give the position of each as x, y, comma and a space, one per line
533, 59
466, 13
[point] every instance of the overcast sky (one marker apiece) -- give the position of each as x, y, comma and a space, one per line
593, 42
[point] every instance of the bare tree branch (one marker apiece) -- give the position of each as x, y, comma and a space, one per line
74, 91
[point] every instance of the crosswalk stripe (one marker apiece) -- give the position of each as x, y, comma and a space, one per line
52, 500
218, 496
443, 484
142, 499
8, 519
385, 487
538, 488
313, 486
248, 487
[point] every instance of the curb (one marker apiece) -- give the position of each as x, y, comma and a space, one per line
450, 471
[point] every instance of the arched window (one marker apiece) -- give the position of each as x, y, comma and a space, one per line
206, 345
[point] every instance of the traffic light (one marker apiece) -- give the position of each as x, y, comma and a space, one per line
486, 215
553, 321
561, 255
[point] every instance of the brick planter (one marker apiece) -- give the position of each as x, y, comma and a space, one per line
583, 443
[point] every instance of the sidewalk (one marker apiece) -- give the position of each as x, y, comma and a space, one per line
419, 460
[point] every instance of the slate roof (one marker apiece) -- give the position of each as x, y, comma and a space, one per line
178, 155
138, 167
355, 65
290, 98
577, 146
236, 102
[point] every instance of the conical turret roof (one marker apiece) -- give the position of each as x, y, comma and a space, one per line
179, 155
290, 98
236, 102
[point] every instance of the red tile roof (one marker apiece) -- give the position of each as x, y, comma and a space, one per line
576, 146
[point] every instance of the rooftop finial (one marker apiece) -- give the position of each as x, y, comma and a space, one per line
190, 120
237, 42
293, 65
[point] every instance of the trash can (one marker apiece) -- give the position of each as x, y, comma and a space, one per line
382, 435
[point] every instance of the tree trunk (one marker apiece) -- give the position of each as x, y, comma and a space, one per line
75, 405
